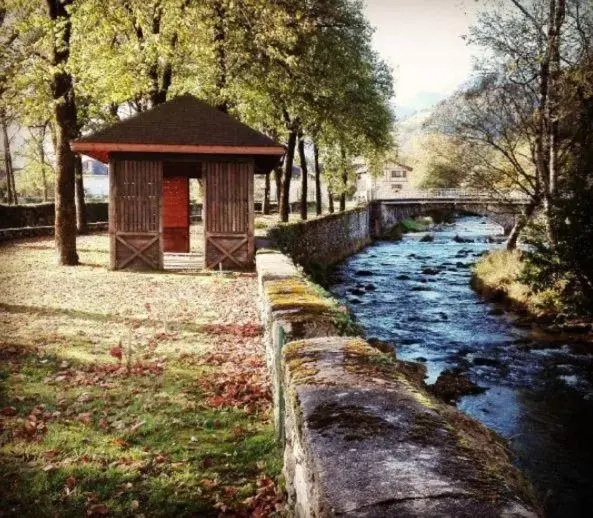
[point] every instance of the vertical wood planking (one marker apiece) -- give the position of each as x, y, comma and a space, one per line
250, 215
135, 208
112, 214
229, 218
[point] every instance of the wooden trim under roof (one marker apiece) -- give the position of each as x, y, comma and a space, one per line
101, 151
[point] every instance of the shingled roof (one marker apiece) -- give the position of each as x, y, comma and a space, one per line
182, 125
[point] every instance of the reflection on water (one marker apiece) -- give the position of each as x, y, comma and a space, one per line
540, 393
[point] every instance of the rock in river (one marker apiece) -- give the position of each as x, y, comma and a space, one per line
357, 292
452, 384
430, 271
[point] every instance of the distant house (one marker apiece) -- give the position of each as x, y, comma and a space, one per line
394, 180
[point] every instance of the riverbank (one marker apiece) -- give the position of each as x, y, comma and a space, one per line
497, 278
362, 434
536, 387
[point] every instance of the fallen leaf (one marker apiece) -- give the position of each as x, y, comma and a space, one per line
70, 483
51, 453
85, 397
116, 351
85, 417
230, 492
208, 484
97, 510
135, 426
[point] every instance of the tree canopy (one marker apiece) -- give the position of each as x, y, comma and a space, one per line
295, 69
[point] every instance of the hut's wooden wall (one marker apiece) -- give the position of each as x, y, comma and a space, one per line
229, 214
135, 201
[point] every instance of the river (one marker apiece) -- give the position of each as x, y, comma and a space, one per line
539, 395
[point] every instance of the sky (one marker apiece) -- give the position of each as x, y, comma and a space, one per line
421, 40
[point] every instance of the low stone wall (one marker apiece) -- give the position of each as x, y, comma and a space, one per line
9, 234
361, 435
317, 243
43, 214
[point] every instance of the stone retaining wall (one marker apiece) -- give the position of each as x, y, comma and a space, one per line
43, 214
361, 435
320, 242
8, 234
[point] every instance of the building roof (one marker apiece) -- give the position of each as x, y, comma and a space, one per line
183, 125
407, 167
363, 169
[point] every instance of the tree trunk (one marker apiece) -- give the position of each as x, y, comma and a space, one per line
318, 207
81, 223
66, 130
287, 176
519, 226
343, 193
278, 182
330, 198
304, 177
219, 40
266, 203
42, 162
557, 14
547, 129
10, 185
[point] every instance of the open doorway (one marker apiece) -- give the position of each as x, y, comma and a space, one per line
183, 229
196, 216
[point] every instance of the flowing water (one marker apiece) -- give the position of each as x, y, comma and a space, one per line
539, 394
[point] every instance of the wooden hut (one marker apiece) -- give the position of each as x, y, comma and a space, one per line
151, 158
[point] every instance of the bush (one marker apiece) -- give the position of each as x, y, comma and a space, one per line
502, 275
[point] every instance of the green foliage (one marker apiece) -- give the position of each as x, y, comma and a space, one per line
500, 275
287, 66
440, 159
569, 263
38, 174
416, 225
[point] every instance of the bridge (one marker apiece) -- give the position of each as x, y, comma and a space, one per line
504, 209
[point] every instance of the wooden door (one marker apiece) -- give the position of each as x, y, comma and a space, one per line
176, 215
135, 188
229, 214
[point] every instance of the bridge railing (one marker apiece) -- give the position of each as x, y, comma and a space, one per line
450, 194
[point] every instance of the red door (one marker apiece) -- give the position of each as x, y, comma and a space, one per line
176, 215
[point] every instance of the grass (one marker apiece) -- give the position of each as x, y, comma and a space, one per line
416, 224
129, 393
497, 275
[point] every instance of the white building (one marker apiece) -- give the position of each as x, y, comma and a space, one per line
394, 181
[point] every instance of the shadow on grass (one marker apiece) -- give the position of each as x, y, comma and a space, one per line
33, 491
160, 464
52, 248
47, 311
244, 330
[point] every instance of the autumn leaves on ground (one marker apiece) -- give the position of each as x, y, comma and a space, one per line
130, 393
